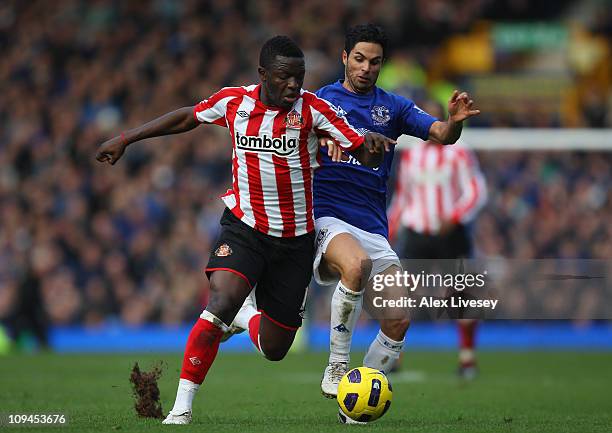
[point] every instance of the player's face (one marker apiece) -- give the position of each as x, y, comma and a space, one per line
282, 81
362, 66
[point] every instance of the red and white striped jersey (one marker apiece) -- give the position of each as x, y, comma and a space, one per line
274, 155
436, 183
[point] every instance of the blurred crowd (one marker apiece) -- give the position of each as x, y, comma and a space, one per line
546, 205
85, 243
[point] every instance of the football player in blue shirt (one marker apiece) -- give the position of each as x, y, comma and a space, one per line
350, 201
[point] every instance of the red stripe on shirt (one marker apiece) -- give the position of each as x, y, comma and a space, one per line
461, 211
455, 180
439, 163
423, 191
305, 163
285, 195
256, 192
254, 174
214, 99
283, 181
226, 92
232, 108
398, 203
473, 200
345, 129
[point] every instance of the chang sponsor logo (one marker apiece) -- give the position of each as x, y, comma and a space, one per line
282, 145
352, 160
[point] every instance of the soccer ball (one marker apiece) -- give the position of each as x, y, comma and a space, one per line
364, 394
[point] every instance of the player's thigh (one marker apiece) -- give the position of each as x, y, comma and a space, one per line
275, 338
383, 298
346, 257
227, 293
235, 265
338, 253
281, 293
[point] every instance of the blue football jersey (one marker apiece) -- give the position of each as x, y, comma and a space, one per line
347, 190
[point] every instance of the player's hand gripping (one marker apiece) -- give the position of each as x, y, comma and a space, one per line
110, 151
377, 143
461, 107
334, 150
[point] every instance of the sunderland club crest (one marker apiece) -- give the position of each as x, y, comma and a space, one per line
223, 251
294, 120
380, 115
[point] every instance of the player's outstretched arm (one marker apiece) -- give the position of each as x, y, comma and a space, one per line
372, 152
460, 107
175, 122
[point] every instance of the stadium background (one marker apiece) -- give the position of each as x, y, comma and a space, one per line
96, 259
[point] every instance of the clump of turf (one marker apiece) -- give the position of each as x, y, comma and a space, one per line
146, 391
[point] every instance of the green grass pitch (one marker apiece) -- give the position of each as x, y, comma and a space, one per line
516, 392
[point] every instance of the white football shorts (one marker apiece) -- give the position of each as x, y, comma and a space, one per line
375, 245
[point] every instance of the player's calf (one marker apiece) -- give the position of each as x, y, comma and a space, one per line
385, 351
226, 295
395, 328
275, 339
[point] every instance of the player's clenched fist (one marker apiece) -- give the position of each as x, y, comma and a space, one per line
110, 151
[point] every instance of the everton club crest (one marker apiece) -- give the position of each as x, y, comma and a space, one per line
380, 115
294, 120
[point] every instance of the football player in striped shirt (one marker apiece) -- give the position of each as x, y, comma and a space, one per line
267, 236
439, 191
350, 201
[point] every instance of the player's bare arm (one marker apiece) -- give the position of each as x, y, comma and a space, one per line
175, 122
460, 107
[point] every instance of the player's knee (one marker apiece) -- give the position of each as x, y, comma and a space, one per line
356, 270
222, 304
275, 353
395, 328
275, 356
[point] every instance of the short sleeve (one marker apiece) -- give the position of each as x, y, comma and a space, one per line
214, 109
326, 119
414, 121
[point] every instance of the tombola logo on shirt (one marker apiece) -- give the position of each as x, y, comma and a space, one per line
264, 143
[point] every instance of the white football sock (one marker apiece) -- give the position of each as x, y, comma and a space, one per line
245, 315
345, 310
184, 396
207, 315
383, 353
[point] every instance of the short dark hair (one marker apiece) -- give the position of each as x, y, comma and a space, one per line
278, 46
366, 33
